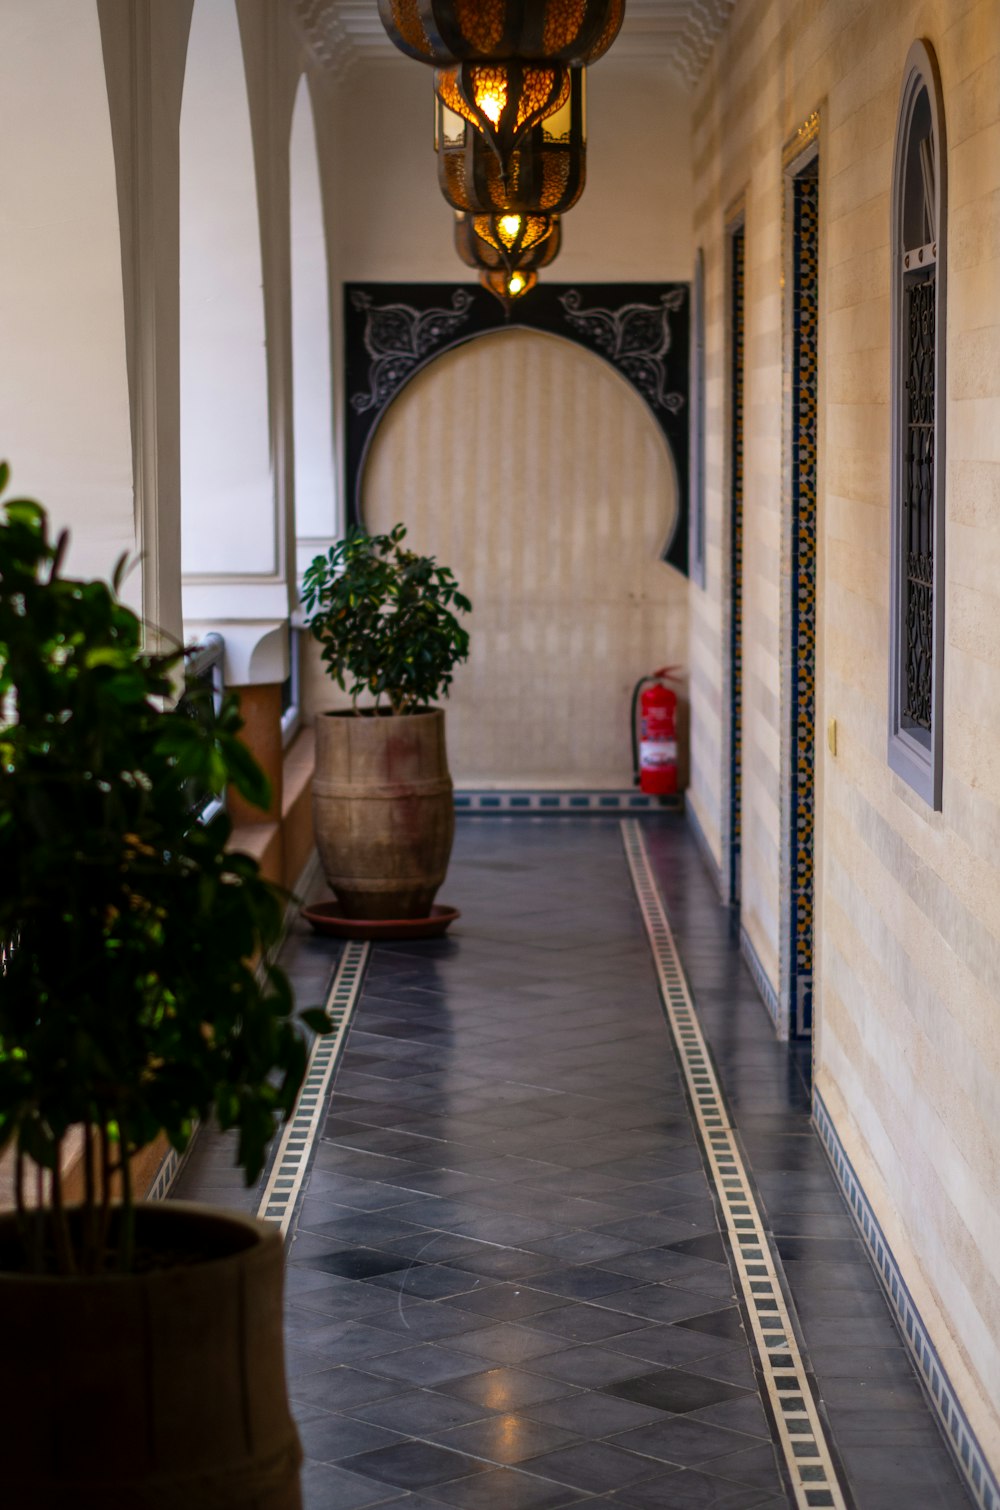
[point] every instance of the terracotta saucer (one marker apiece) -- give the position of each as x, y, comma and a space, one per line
327, 918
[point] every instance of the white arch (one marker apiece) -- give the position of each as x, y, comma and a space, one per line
536, 471
64, 397
315, 472
227, 489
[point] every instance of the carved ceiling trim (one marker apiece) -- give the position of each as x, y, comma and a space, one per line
342, 34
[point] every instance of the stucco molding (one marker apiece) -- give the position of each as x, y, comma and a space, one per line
343, 35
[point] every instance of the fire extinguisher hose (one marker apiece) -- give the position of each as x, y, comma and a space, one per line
635, 729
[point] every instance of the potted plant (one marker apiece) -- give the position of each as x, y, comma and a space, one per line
142, 1340
382, 796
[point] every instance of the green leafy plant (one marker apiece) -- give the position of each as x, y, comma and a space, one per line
130, 1001
383, 615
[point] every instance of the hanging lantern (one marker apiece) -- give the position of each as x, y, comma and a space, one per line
507, 253
444, 32
508, 287
503, 101
545, 173
515, 235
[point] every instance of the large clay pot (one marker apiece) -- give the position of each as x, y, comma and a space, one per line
384, 811
155, 1391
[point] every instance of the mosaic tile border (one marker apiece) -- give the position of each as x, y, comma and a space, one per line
798, 1426
804, 223
291, 1159
548, 804
173, 1162
768, 994
971, 1461
737, 359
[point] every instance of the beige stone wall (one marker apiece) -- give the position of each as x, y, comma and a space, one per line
908, 920
533, 470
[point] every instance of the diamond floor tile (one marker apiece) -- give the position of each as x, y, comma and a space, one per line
508, 1289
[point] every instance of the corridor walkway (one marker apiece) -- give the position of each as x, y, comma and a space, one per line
508, 1286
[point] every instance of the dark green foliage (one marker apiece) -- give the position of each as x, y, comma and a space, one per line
129, 1000
383, 616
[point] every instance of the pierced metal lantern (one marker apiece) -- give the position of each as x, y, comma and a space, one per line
503, 101
545, 173
444, 32
513, 236
508, 287
523, 247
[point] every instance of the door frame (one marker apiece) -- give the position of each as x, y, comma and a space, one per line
800, 702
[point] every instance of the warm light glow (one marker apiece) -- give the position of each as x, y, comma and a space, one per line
491, 105
503, 101
510, 225
508, 288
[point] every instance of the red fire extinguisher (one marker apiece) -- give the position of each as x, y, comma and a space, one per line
654, 741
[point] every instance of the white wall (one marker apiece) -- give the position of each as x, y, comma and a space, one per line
633, 222
227, 491
64, 401
907, 917
315, 470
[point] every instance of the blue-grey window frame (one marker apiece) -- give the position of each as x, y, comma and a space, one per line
917, 761
696, 547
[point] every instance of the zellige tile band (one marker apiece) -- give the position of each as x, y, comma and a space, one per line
800, 1432
292, 1158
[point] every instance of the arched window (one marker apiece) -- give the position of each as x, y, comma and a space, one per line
918, 433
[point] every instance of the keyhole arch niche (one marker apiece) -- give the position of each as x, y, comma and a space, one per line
528, 465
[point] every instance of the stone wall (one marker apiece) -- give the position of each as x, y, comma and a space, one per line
907, 912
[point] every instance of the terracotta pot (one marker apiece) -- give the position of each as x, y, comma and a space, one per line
154, 1391
384, 811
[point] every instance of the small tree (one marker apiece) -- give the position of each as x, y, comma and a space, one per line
130, 1002
383, 616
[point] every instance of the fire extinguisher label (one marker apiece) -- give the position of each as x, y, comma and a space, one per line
654, 754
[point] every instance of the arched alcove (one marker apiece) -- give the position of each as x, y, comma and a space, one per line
227, 493
536, 472
315, 476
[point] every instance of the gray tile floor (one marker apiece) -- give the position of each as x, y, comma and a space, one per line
507, 1287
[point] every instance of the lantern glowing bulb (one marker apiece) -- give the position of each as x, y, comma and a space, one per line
510, 225
492, 106
515, 285
504, 102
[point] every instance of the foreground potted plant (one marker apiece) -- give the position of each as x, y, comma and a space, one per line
142, 1341
382, 796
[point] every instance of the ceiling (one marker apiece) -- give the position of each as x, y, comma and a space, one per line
679, 33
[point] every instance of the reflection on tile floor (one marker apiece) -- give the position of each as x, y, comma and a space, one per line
507, 1288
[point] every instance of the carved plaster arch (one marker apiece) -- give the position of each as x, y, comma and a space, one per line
554, 522
392, 332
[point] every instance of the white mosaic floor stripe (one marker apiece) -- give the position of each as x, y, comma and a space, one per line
800, 1432
292, 1158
